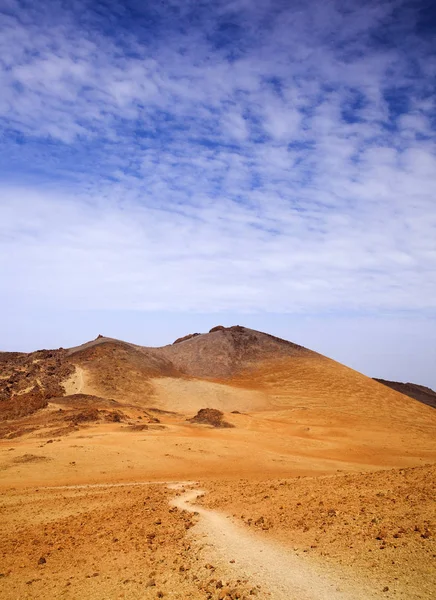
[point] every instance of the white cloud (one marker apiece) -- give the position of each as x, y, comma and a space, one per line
178, 176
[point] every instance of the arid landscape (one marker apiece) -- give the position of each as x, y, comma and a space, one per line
230, 464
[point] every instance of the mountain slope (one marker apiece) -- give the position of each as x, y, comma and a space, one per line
291, 408
224, 352
413, 390
237, 368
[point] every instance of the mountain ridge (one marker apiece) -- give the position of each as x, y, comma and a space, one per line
288, 407
418, 392
227, 368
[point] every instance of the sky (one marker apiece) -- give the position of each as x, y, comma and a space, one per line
169, 166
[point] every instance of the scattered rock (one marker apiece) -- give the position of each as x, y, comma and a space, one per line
138, 427
30, 458
210, 416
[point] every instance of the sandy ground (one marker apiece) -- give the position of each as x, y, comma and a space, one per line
257, 447
190, 395
76, 383
322, 489
302, 497
358, 536
276, 570
97, 543
377, 529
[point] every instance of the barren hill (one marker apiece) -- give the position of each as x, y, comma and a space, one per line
223, 352
220, 353
192, 371
289, 406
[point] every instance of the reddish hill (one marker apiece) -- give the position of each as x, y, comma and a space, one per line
230, 369
291, 408
223, 352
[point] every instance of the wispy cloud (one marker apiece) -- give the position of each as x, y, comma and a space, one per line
219, 156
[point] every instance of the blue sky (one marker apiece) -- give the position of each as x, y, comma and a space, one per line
167, 166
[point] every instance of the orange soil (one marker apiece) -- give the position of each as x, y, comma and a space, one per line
377, 528
300, 415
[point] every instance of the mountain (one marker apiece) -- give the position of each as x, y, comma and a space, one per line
413, 390
287, 406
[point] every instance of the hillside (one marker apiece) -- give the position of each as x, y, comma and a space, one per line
413, 390
296, 448
290, 409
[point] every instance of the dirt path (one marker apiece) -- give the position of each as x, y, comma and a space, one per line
241, 554
279, 571
75, 383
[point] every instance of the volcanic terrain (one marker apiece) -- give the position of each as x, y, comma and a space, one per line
316, 466
419, 392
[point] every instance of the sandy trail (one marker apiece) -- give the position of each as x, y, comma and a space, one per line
75, 383
276, 569
80, 486
281, 574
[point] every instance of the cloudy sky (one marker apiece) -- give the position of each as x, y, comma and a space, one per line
167, 166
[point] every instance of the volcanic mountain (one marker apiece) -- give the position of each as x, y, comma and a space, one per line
290, 407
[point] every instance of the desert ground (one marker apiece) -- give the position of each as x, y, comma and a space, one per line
303, 479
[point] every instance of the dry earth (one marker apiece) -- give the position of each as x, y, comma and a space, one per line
101, 542
377, 529
325, 474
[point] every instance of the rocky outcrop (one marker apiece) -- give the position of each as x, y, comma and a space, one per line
186, 337
210, 416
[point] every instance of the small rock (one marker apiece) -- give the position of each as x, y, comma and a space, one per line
42, 561
386, 589
150, 583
